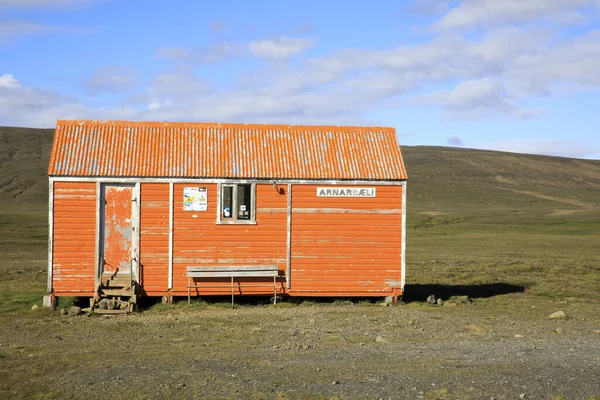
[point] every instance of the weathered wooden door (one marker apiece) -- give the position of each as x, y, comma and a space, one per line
119, 244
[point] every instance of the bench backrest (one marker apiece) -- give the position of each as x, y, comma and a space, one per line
227, 271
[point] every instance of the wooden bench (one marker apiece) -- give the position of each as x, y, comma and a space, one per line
232, 272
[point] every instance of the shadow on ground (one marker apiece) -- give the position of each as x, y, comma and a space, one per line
412, 293
421, 292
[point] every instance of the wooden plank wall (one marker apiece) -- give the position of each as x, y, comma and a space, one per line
154, 238
340, 246
199, 240
346, 246
74, 238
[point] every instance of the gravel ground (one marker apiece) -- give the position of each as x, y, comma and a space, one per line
502, 349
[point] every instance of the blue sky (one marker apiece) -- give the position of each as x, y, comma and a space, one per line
511, 75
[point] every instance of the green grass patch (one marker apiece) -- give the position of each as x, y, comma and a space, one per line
20, 301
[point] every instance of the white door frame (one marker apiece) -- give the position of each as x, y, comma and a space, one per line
135, 225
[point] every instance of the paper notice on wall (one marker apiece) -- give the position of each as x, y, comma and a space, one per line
195, 199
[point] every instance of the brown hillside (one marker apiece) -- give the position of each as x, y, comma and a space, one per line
442, 180
24, 156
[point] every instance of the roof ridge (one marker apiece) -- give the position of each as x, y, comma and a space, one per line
177, 124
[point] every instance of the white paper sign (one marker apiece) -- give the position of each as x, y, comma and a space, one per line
345, 192
195, 199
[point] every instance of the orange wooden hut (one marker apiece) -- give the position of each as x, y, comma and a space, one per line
135, 206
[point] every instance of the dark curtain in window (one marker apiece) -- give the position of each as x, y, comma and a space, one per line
244, 201
227, 202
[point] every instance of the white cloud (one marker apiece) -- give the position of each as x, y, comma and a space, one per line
280, 48
490, 76
218, 51
444, 58
25, 106
573, 61
476, 99
22, 105
490, 13
19, 28
8, 81
175, 89
273, 49
501, 46
429, 7
492, 73
113, 79
214, 53
175, 52
10, 29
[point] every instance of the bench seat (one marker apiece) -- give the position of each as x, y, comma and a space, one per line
232, 272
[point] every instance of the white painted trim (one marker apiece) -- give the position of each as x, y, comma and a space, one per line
253, 202
288, 263
171, 223
403, 266
220, 219
219, 203
236, 222
324, 210
234, 206
99, 234
100, 219
50, 233
136, 229
232, 181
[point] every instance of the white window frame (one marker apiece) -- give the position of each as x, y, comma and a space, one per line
234, 220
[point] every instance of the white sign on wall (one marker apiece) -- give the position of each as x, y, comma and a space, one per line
195, 199
345, 192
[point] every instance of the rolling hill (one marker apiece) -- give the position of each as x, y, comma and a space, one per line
474, 216
24, 156
441, 179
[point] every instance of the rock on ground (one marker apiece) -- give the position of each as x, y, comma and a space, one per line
380, 339
558, 315
463, 300
74, 311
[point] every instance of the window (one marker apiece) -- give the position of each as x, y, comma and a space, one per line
237, 203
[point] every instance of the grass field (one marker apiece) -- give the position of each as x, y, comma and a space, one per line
481, 217
518, 233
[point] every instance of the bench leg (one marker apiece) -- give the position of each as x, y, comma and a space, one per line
189, 292
275, 289
232, 292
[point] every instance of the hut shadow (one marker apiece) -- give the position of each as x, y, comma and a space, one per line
419, 293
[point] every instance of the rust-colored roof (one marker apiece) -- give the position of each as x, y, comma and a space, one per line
212, 150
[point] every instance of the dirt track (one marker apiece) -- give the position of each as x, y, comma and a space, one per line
345, 351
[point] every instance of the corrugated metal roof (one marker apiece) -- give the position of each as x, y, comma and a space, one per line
212, 150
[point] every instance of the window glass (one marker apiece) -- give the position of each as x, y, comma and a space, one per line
237, 203
244, 201
227, 202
